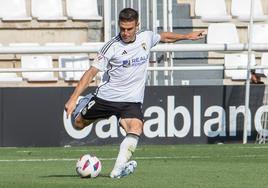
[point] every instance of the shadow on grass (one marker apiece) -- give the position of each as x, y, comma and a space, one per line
59, 176
71, 176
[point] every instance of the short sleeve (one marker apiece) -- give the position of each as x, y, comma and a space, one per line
104, 56
100, 62
155, 38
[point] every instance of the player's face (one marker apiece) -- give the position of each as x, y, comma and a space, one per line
128, 30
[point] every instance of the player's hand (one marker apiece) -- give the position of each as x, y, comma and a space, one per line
70, 107
195, 35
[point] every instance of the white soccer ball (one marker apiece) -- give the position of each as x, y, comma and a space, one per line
88, 166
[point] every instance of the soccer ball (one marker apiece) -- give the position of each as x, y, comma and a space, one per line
88, 166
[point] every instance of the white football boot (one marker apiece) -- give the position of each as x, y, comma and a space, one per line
126, 170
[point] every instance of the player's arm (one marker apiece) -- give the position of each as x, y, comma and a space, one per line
173, 37
81, 86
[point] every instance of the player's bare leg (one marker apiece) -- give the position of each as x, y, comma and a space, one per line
80, 123
123, 166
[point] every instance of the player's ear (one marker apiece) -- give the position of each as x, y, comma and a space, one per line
137, 25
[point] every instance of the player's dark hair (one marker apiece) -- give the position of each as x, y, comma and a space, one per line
129, 15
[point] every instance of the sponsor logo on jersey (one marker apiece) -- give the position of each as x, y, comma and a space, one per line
126, 63
135, 61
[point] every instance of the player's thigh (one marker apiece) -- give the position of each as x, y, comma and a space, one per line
131, 117
132, 125
80, 122
99, 109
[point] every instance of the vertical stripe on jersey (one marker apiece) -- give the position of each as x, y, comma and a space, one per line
96, 93
105, 48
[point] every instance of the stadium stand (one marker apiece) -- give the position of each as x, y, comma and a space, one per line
264, 62
38, 61
83, 10
57, 44
22, 44
47, 10
10, 77
241, 10
183, 22
42, 32
237, 61
13, 10
215, 33
260, 33
71, 29
212, 10
73, 62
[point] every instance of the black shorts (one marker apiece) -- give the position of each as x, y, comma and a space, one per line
99, 108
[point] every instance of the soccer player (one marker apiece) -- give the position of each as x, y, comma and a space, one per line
124, 61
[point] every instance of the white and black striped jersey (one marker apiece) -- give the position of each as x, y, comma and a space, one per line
125, 67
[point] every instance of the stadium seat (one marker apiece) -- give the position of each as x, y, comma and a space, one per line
22, 44
55, 44
13, 10
233, 61
83, 9
240, 9
264, 62
222, 33
98, 45
47, 10
73, 62
95, 44
212, 10
260, 33
59, 44
37, 62
10, 77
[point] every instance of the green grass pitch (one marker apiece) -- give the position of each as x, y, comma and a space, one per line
189, 166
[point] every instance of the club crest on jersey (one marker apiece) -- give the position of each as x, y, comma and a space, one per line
144, 46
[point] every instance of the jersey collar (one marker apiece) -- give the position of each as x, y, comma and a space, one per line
129, 41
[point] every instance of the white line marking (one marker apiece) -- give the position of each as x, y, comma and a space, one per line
255, 147
136, 158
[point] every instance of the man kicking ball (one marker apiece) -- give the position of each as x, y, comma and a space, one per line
124, 61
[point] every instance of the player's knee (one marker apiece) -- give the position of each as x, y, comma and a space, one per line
134, 126
78, 125
81, 123
137, 130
